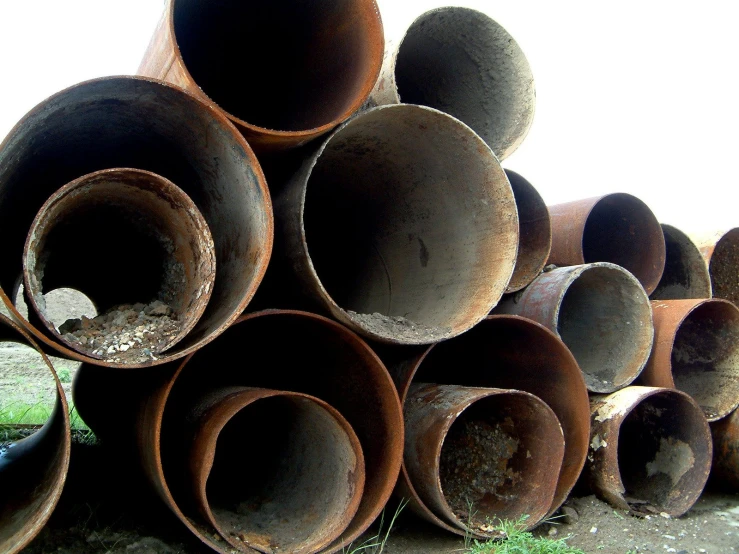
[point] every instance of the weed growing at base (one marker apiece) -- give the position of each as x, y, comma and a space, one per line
376, 543
518, 541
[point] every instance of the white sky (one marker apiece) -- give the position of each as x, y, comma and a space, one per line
639, 96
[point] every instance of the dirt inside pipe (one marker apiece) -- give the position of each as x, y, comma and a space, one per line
685, 275
725, 267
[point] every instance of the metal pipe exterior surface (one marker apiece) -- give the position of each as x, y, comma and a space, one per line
477, 455
696, 350
725, 469
600, 311
402, 225
462, 62
650, 450
347, 374
146, 124
32, 470
686, 272
283, 72
148, 215
617, 228
299, 494
721, 252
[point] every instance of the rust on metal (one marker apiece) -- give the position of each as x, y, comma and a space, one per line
462, 62
600, 311
535, 232
142, 214
283, 72
150, 125
696, 350
686, 273
320, 358
617, 228
650, 450
725, 468
32, 470
721, 252
365, 235
476, 455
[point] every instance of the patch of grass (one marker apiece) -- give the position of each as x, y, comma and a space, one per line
18, 420
518, 541
376, 543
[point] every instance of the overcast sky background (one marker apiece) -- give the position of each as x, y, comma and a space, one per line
635, 96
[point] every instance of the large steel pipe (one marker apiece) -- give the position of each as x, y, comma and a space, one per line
145, 124
686, 273
461, 62
600, 311
32, 469
303, 489
650, 450
535, 232
696, 350
156, 224
402, 225
300, 352
284, 72
617, 228
721, 252
506, 352
479, 455
725, 468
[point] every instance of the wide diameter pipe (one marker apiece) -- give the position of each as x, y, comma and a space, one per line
686, 273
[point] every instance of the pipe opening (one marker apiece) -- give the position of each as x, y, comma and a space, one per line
284, 497
663, 454
412, 230
685, 275
705, 357
463, 63
135, 245
621, 229
322, 63
724, 267
605, 320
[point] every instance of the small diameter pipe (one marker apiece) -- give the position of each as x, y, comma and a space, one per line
617, 228
284, 72
686, 273
402, 225
725, 468
696, 350
721, 252
650, 450
302, 489
478, 455
535, 232
461, 62
600, 311
157, 247
33, 469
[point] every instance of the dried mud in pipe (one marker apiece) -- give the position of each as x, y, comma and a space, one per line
617, 228
686, 273
162, 230
600, 311
365, 237
478, 455
696, 350
725, 468
319, 67
462, 62
650, 450
146, 124
32, 470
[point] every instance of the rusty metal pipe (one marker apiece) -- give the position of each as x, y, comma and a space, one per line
365, 235
535, 232
617, 228
135, 215
600, 311
478, 455
347, 374
721, 252
33, 469
299, 494
461, 62
696, 350
149, 125
650, 450
284, 72
686, 273
725, 468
